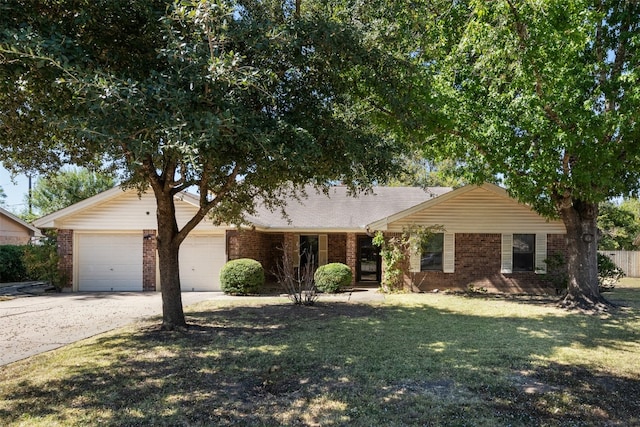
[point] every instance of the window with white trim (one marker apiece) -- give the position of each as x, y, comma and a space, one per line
524, 250
432, 253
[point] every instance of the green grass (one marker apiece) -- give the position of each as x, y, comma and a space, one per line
428, 359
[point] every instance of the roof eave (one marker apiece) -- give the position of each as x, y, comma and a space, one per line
51, 220
19, 221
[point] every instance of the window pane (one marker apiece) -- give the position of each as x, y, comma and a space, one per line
308, 250
431, 257
524, 246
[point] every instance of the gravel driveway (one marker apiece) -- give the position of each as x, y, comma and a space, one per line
32, 325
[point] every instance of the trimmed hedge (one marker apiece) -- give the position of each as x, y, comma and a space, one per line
12, 267
331, 277
242, 276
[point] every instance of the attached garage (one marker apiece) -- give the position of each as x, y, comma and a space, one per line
108, 243
201, 258
109, 262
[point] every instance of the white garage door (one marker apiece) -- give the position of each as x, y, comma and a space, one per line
109, 262
201, 258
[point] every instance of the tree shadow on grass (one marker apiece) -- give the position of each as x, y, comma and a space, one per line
339, 364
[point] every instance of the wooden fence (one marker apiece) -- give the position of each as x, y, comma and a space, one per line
628, 261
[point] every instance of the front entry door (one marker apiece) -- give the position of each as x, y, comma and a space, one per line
369, 264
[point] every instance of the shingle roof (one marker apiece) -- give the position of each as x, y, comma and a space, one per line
340, 211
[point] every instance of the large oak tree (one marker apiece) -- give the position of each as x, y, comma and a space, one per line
239, 101
544, 95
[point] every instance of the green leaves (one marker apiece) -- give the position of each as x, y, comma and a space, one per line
537, 91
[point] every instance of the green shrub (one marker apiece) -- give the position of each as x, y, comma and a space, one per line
41, 262
331, 277
608, 273
242, 276
12, 267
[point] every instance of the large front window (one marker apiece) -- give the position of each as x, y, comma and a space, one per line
524, 249
431, 254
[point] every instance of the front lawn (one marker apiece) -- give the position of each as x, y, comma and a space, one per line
428, 359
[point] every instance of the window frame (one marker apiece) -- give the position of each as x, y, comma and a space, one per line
518, 255
423, 254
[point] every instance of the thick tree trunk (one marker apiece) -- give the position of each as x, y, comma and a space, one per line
168, 251
582, 257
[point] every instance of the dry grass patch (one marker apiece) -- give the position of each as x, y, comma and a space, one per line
415, 360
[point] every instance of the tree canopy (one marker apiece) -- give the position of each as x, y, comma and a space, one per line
619, 225
240, 100
543, 95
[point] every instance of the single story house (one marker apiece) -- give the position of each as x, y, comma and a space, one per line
15, 231
107, 242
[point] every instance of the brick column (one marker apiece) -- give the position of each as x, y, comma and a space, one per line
65, 253
289, 246
352, 253
149, 260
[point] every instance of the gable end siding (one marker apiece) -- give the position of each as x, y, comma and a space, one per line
480, 211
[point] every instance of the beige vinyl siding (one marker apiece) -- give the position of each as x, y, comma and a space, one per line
129, 212
12, 233
480, 211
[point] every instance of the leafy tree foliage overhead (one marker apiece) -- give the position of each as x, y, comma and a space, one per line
419, 172
543, 94
242, 100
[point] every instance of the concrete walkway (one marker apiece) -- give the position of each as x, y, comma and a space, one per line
34, 324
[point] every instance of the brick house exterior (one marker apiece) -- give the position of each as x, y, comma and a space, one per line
478, 244
481, 226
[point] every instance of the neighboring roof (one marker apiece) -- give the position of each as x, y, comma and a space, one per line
19, 221
339, 211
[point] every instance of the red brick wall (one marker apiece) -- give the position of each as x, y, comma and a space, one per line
65, 252
265, 248
337, 248
477, 260
477, 263
149, 260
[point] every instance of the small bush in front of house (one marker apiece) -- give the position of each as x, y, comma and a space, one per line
331, 277
41, 262
242, 276
608, 273
12, 267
